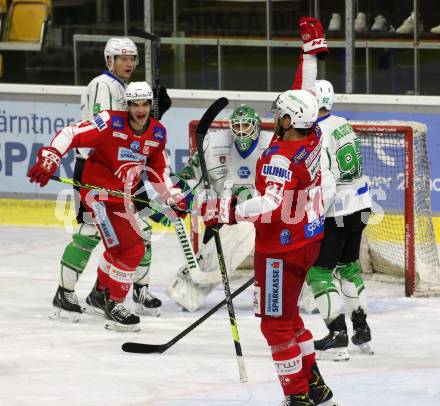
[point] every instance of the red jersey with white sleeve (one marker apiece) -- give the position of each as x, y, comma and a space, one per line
289, 209
118, 151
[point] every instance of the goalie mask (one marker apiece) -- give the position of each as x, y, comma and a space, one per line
117, 47
324, 94
245, 126
300, 105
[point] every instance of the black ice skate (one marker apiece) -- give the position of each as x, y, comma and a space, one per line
300, 399
334, 345
362, 332
119, 318
146, 303
95, 302
320, 393
65, 306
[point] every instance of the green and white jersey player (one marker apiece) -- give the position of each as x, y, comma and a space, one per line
336, 273
104, 92
231, 156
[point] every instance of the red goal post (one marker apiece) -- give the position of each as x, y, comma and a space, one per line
399, 240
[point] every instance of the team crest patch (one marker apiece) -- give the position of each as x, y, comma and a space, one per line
135, 146
243, 172
117, 122
274, 287
158, 133
222, 159
271, 150
146, 149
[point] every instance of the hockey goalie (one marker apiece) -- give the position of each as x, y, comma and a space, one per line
231, 156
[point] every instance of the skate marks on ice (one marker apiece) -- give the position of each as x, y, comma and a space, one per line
49, 363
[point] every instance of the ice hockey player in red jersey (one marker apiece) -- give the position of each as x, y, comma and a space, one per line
126, 144
289, 223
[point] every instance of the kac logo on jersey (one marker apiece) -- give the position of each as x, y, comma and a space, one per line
314, 228
300, 155
158, 133
99, 122
117, 122
285, 237
135, 146
271, 150
243, 172
276, 172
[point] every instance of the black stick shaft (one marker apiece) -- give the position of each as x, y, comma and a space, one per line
160, 348
201, 131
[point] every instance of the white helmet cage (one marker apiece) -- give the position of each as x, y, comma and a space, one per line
138, 91
117, 47
300, 105
324, 94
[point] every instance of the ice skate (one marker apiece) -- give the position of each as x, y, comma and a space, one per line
334, 346
65, 306
119, 318
320, 393
407, 26
335, 22
436, 29
380, 24
146, 303
362, 333
360, 22
95, 302
299, 399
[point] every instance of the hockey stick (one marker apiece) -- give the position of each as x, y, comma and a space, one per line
155, 39
201, 130
179, 225
140, 348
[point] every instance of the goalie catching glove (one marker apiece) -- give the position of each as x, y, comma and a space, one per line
219, 211
48, 161
313, 38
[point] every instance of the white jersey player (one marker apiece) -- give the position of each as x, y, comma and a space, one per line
105, 92
231, 156
347, 204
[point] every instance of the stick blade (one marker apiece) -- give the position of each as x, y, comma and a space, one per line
139, 348
209, 116
137, 32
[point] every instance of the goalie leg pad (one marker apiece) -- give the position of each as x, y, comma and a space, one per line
325, 292
186, 292
237, 242
352, 286
77, 254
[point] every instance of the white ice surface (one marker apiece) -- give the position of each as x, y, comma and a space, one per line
45, 363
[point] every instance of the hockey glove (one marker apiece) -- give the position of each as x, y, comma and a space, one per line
48, 161
219, 211
313, 38
164, 100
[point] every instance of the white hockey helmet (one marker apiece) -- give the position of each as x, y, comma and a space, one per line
138, 91
300, 105
119, 46
324, 94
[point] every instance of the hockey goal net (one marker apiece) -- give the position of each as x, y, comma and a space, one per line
399, 240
